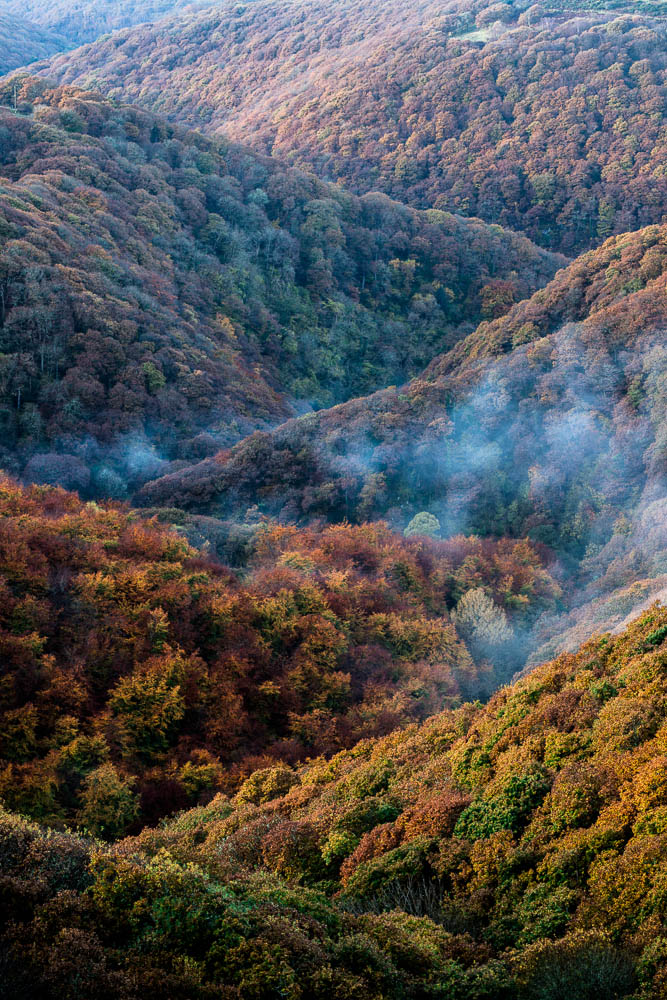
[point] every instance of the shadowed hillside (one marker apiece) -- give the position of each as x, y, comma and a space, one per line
162, 294
548, 422
80, 21
23, 42
582, 355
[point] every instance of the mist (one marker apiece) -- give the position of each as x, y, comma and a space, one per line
562, 441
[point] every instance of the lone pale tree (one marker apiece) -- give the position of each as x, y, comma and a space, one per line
423, 523
478, 618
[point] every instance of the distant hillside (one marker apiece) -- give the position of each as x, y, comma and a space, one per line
587, 346
162, 291
516, 850
547, 121
81, 21
333, 510
23, 42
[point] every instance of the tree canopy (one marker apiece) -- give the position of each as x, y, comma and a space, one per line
163, 295
517, 849
546, 120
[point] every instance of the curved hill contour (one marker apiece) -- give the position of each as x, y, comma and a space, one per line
544, 120
79, 21
163, 294
548, 422
23, 41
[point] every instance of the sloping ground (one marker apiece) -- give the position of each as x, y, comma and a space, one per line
156, 286
549, 422
517, 850
23, 41
545, 121
81, 21
130, 657
581, 355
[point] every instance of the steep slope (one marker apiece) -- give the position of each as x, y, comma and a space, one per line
156, 286
81, 21
517, 850
130, 657
23, 41
548, 422
544, 120
587, 336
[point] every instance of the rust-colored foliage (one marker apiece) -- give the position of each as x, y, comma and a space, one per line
546, 120
130, 656
489, 851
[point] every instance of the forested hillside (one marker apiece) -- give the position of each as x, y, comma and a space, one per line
549, 422
516, 850
140, 675
577, 366
547, 119
162, 294
23, 42
80, 21
33, 30
333, 500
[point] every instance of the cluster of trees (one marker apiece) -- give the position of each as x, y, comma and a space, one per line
540, 120
140, 676
518, 849
165, 287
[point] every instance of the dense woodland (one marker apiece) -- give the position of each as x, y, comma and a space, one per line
23, 42
303, 486
182, 292
547, 423
546, 121
134, 665
79, 21
516, 850
493, 436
